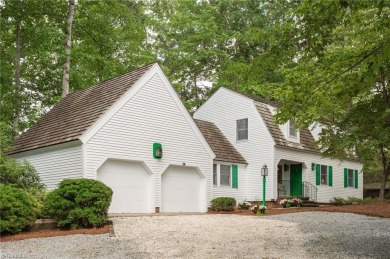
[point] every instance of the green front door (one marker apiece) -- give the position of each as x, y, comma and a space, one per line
296, 180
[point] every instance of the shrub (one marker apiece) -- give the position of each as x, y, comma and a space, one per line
338, 201
223, 204
17, 209
353, 200
369, 200
79, 203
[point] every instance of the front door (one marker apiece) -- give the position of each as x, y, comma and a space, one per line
296, 179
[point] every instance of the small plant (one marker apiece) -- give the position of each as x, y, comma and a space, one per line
17, 209
283, 203
223, 204
79, 203
258, 209
353, 200
338, 201
244, 205
369, 200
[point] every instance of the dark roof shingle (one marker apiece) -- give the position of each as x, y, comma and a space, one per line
77, 112
305, 137
222, 148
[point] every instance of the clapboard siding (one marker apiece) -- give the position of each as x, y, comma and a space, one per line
223, 109
226, 191
55, 164
325, 193
151, 115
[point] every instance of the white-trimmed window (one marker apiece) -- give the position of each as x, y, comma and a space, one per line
351, 182
242, 129
215, 177
324, 174
292, 131
225, 179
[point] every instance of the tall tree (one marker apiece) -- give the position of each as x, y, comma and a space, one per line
68, 44
341, 79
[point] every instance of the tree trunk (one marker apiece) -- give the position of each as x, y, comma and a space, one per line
17, 74
385, 175
68, 44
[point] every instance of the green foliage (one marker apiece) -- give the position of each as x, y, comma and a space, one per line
369, 200
78, 203
223, 204
17, 174
338, 201
17, 209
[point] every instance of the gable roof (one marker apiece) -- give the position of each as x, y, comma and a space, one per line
224, 151
78, 111
306, 138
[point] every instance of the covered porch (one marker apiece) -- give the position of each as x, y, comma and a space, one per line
292, 182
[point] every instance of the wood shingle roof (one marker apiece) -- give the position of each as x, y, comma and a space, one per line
224, 151
76, 113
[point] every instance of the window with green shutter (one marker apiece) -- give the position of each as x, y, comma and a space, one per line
234, 176
351, 178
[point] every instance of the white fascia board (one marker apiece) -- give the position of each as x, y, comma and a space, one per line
184, 111
87, 135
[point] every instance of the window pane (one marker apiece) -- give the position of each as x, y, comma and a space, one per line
324, 174
293, 131
350, 177
214, 174
242, 129
225, 175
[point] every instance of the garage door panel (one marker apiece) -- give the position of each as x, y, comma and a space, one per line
131, 185
182, 189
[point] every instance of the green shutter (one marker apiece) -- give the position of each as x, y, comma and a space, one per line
345, 177
330, 169
356, 179
234, 176
318, 174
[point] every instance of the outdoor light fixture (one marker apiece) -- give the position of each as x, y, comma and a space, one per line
264, 173
264, 170
157, 150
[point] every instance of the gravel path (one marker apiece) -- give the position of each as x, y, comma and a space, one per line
298, 235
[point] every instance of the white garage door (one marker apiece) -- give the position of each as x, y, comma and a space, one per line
182, 190
131, 186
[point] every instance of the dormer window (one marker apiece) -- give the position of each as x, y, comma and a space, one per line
242, 129
292, 132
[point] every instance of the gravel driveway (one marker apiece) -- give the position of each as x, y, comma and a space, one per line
298, 235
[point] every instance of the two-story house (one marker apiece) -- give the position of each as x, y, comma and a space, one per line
295, 165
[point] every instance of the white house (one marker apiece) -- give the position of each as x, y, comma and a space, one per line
295, 165
131, 132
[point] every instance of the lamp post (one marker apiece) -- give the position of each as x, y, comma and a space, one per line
264, 173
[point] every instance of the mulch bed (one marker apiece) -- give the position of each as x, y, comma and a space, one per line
375, 209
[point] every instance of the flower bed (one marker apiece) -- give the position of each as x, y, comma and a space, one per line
294, 202
257, 210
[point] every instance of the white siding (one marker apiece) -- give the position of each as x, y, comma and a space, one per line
151, 115
224, 108
228, 191
315, 130
325, 193
56, 163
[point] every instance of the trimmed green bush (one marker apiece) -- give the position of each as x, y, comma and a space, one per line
78, 203
338, 201
223, 204
17, 209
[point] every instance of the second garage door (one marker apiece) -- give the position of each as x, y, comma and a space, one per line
182, 190
131, 185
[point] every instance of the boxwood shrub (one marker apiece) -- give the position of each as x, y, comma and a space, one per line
17, 209
223, 204
78, 203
